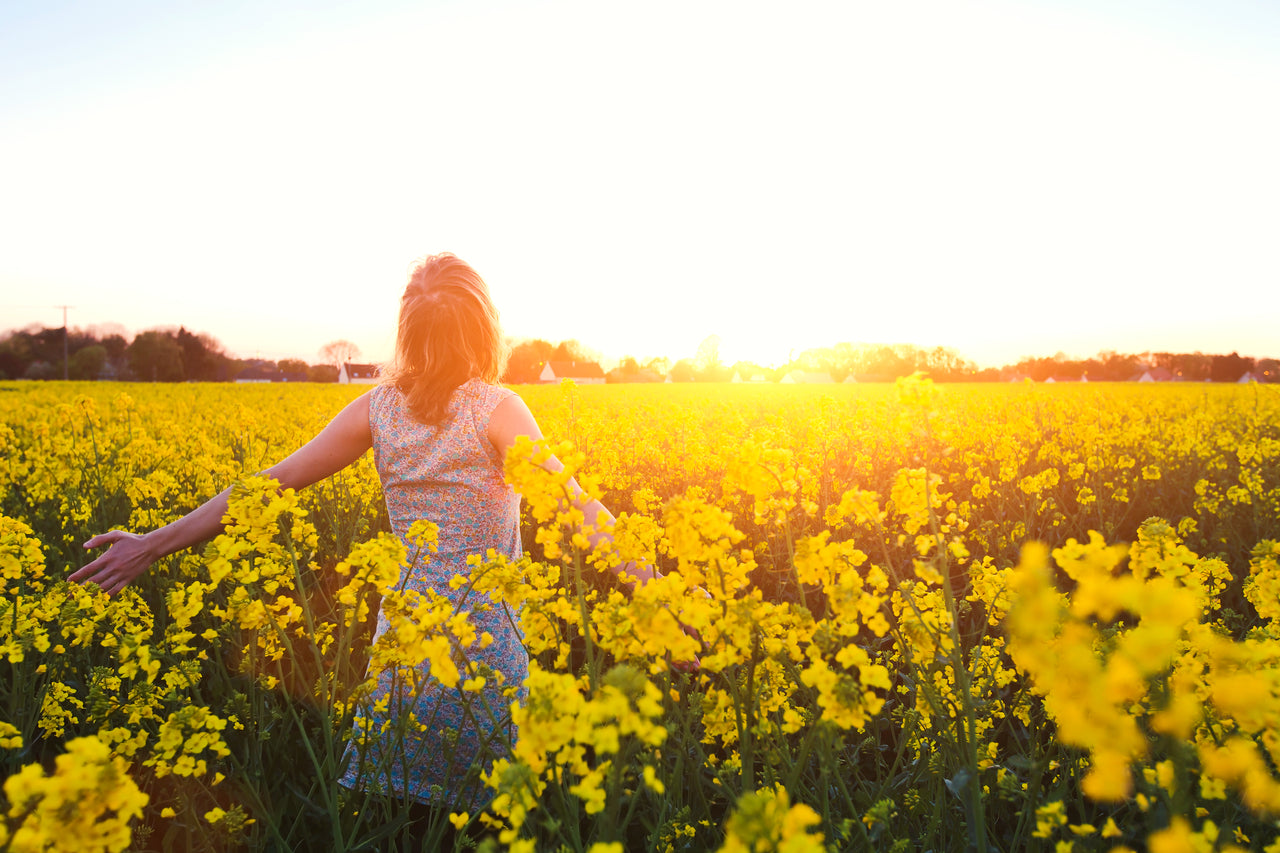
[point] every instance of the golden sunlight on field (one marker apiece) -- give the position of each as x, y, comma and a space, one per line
893, 617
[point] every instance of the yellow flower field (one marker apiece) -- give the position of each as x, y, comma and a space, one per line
894, 617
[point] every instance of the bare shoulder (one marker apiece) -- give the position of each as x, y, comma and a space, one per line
351, 425
341, 442
511, 418
358, 409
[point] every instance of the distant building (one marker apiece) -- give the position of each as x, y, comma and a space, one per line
358, 374
1153, 374
754, 377
582, 372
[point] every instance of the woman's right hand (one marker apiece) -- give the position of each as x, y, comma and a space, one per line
127, 557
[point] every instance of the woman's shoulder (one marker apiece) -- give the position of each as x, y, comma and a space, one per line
382, 395
483, 396
474, 400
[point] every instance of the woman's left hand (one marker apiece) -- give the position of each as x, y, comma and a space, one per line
126, 557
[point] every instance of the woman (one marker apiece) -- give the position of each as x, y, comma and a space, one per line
440, 427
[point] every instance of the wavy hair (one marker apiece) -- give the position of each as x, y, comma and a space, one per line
448, 333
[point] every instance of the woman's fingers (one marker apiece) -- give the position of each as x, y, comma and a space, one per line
107, 570
85, 572
108, 538
106, 578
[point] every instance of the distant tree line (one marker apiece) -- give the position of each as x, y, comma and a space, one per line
864, 362
528, 358
179, 355
156, 355
879, 362
885, 362
1111, 366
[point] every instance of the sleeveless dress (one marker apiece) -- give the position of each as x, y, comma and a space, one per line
451, 474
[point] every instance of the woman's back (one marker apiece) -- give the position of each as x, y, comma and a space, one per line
451, 474
448, 473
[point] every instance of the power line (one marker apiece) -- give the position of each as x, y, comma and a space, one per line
65, 335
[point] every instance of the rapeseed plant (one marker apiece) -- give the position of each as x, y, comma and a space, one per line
852, 628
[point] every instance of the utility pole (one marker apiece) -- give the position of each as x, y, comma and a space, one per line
65, 360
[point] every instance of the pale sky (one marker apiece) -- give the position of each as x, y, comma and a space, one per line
1003, 178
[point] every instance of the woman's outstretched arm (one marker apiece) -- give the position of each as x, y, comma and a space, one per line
344, 440
512, 419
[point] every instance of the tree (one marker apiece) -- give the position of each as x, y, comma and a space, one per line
292, 365
682, 371
202, 356
117, 366
339, 352
87, 362
49, 345
1229, 368
115, 346
946, 365
40, 369
572, 350
706, 361
15, 354
708, 355
659, 366
1117, 367
845, 359
156, 357
527, 360
1192, 367
322, 373
716, 373
892, 361
629, 370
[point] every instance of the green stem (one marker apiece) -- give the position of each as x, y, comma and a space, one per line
966, 728
747, 776
593, 673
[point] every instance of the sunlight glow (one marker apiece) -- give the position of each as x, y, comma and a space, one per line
1001, 178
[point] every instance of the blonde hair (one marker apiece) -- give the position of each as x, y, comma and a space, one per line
448, 333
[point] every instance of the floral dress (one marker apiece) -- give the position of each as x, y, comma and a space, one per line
451, 474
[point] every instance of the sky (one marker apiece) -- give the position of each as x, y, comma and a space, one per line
1007, 179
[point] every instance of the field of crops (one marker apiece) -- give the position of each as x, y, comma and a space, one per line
971, 617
